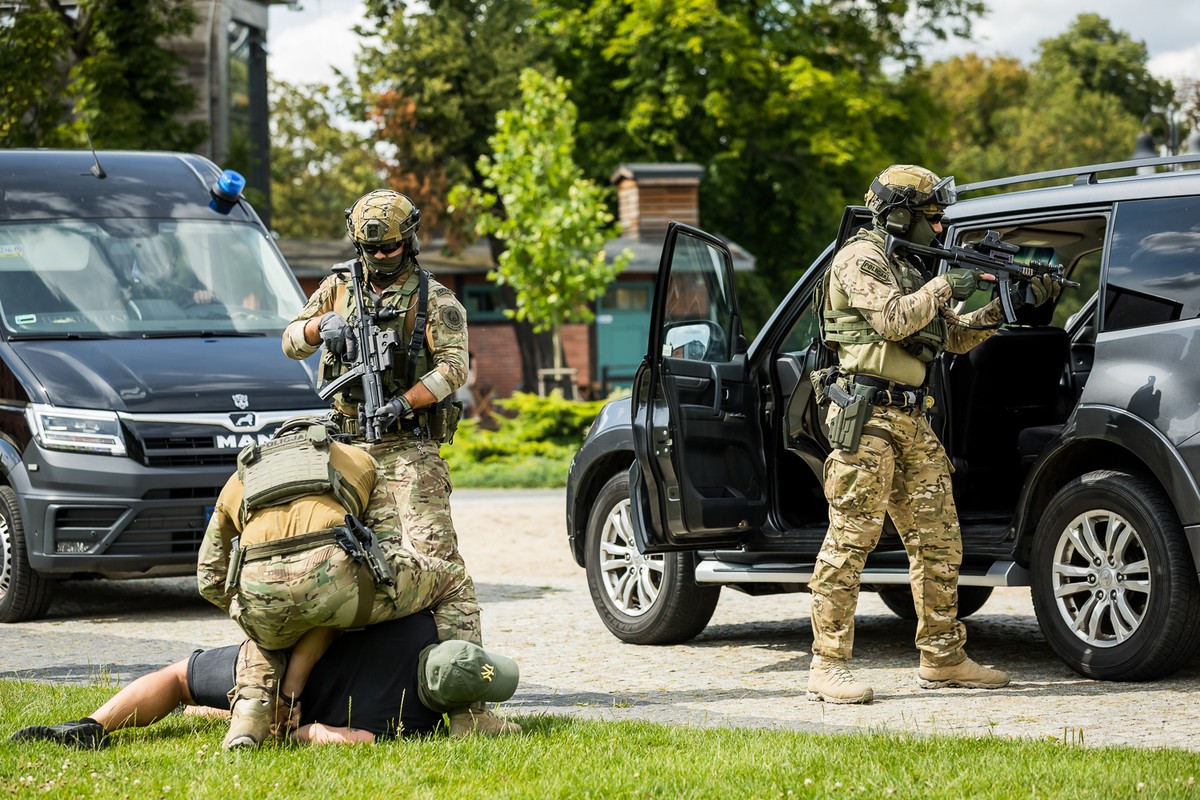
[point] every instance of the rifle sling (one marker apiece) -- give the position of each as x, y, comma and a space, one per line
417, 340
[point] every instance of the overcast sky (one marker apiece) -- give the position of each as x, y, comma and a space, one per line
304, 45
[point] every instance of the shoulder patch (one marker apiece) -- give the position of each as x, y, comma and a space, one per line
453, 318
876, 271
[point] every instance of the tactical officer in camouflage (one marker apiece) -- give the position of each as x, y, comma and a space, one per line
886, 318
284, 559
427, 369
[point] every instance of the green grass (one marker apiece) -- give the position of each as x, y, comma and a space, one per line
561, 757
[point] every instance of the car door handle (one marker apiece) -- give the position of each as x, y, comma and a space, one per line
716, 379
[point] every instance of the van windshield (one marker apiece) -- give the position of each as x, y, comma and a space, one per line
142, 277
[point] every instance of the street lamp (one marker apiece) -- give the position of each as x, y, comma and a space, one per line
1145, 145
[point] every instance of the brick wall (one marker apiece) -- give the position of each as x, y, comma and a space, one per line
498, 360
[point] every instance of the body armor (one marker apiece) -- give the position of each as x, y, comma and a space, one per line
397, 380
847, 325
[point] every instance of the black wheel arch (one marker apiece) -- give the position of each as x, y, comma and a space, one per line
592, 481
1128, 445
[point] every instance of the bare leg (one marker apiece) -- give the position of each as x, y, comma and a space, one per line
307, 652
146, 700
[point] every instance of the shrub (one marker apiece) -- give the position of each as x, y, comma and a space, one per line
531, 446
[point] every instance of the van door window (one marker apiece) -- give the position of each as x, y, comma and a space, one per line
1154, 269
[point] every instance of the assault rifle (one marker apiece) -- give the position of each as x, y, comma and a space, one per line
371, 354
990, 254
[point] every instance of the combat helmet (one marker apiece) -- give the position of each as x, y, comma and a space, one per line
379, 221
903, 196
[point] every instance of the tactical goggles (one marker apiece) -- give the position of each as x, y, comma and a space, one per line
944, 192
382, 247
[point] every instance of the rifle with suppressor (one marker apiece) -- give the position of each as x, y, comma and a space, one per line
990, 254
370, 353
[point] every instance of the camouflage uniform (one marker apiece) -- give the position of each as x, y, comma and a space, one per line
414, 494
907, 477
279, 598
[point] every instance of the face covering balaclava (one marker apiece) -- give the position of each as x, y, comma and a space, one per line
385, 271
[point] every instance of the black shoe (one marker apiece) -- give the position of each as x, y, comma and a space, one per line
85, 734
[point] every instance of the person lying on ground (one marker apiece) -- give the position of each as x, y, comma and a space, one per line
386, 680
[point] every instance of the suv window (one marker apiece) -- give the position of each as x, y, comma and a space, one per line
1154, 270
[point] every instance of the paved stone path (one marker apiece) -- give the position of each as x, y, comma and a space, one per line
748, 668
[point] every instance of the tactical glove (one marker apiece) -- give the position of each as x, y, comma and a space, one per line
963, 283
1044, 288
334, 332
391, 412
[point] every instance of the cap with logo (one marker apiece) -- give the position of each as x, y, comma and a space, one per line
455, 674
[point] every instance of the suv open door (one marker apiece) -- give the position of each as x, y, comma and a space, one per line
699, 478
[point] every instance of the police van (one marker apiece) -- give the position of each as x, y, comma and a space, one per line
142, 302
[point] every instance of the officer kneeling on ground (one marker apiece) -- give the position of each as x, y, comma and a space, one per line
287, 556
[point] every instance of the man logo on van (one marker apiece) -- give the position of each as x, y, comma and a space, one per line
234, 442
247, 420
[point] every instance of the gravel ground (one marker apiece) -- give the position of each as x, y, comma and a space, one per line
748, 668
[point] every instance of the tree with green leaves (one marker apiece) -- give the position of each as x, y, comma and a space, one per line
1108, 62
1075, 105
96, 68
319, 164
553, 222
432, 87
787, 105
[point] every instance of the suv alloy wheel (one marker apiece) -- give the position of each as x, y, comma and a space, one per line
1114, 587
641, 599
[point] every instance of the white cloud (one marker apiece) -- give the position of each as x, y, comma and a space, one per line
305, 45
1016, 27
1177, 64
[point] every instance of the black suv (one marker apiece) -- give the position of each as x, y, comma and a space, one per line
1072, 433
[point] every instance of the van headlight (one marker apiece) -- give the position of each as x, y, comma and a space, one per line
77, 429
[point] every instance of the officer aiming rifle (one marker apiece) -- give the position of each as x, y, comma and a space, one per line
989, 255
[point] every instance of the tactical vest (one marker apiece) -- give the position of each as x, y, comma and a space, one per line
301, 464
410, 355
924, 345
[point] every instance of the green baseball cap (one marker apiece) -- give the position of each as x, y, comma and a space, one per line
455, 674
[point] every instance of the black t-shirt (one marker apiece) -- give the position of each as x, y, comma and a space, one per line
368, 680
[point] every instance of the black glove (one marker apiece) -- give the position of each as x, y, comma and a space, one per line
1044, 288
391, 412
335, 332
963, 282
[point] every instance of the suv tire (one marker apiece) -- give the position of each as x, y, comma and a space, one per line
24, 594
652, 599
1135, 615
899, 600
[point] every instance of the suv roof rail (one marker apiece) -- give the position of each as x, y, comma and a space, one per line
1080, 175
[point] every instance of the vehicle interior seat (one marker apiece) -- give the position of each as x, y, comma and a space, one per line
1009, 383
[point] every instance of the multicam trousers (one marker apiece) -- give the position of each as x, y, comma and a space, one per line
908, 478
282, 597
413, 495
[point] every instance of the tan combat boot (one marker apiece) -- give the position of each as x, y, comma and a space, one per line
830, 680
249, 723
479, 722
967, 674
